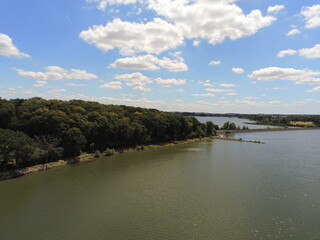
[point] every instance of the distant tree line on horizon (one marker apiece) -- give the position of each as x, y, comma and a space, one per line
284, 120
34, 131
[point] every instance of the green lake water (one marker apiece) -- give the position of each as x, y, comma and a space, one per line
209, 190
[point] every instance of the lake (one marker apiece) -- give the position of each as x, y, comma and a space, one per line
238, 121
209, 190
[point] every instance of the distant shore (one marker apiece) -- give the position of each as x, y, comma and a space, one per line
266, 130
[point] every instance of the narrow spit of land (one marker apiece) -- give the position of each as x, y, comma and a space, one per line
266, 130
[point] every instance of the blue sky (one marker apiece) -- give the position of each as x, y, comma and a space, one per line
246, 56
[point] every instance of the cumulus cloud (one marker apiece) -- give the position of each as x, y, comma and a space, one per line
226, 85
102, 4
284, 53
150, 62
8, 49
169, 82
142, 88
313, 52
76, 85
311, 16
130, 37
215, 62
238, 70
316, 89
115, 85
293, 32
277, 88
275, 9
217, 90
40, 84
57, 73
196, 43
207, 83
211, 21
180, 90
203, 95
136, 80
298, 76
218, 21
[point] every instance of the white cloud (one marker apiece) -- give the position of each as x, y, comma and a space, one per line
76, 85
312, 16
232, 94
150, 62
153, 37
196, 43
207, 83
102, 4
293, 32
180, 90
211, 21
169, 82
115, 85
275, 9
41, 84
298, 76
217, 90
238, 70
277, 88
136, 80
142, 88
204, 102
57, 73
284, 53
203, 95
313, 52
56, 91
8, 49
214, 62
139, 11
218, 21
226, 85
316, 89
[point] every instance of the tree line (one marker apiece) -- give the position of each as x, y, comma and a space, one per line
283, 120
34, 131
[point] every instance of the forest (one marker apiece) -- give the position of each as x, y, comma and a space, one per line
35, 130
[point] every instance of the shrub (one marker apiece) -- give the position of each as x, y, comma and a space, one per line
97, 154
109, 152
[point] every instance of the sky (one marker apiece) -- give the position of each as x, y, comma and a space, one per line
217, 56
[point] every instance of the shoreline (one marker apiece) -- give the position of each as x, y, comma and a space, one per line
87, 157
265, 130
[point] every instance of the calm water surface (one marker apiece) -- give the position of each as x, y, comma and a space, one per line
208, 190
238, 121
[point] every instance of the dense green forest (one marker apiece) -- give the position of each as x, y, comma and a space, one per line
35, 130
